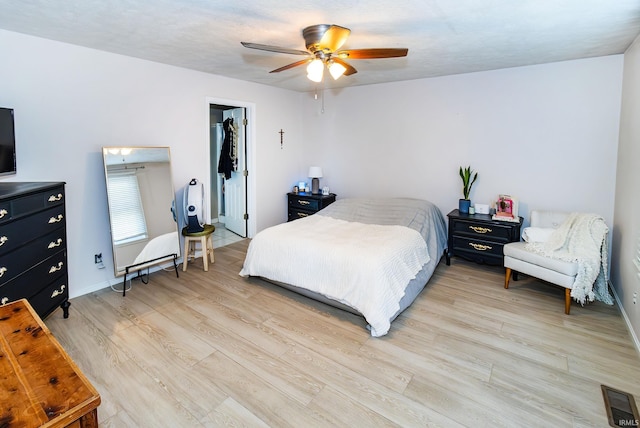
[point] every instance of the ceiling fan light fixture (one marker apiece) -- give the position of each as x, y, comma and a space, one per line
336, 70
315, 70
323, 43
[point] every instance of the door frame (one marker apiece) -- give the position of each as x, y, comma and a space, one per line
250, 160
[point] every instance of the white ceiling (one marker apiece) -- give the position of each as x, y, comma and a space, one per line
443, 36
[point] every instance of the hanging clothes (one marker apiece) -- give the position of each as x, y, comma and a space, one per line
225, 164
234, 144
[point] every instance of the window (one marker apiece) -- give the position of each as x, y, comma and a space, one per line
127, 216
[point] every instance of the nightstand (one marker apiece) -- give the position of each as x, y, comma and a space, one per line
304, 204
479, 238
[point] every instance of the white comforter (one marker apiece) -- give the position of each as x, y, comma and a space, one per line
365, 266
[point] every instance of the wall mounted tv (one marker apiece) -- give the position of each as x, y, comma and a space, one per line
7, 142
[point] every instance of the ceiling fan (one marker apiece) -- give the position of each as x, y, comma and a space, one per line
323, 42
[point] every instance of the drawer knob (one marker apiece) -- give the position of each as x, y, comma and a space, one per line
303, 202
3, 239
479, 229
57, 219
303, 215
480, 247
56, 293
54, 244
4, 301
53, 269
2, 271
55, 198
3, 213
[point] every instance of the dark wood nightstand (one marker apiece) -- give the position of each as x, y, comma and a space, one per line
304, 204
479, 238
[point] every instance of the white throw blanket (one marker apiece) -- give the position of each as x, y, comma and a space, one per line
365, 266
582, 239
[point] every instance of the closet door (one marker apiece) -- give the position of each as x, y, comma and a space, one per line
235, 192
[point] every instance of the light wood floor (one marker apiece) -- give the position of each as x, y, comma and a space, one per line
214, 349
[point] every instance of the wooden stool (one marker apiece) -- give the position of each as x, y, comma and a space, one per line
206, 244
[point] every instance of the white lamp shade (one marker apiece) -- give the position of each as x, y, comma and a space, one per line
336, 70
315, 70
315, 172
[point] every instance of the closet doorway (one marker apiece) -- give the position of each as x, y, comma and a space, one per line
228, 166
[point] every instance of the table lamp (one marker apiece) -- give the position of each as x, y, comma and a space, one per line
315, 172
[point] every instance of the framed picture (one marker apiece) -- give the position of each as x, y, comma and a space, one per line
506, 208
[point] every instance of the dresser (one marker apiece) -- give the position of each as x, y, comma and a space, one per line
304, 204
41, 385
33, 245
479, 238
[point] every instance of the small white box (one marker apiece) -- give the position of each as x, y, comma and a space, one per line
482, 208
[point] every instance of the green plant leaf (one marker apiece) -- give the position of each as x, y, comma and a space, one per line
467, 181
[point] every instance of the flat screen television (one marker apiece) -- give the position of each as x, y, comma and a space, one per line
7, 142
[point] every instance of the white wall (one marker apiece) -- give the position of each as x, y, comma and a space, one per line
546, 134
70, 101
626, 228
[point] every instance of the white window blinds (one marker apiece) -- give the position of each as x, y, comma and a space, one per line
127, 216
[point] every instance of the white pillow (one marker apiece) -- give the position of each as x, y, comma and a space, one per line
536, 234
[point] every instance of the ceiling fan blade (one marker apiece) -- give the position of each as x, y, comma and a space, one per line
349, 68
274, 48
334, 38
372, 53
294, 64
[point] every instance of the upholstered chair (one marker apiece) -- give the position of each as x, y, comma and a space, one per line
518, 259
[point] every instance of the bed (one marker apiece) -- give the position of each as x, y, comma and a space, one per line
371, 257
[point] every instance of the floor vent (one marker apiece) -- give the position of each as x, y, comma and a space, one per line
621, 408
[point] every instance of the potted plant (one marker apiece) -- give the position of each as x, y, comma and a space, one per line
467, 181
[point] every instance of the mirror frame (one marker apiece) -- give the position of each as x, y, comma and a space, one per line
138, 162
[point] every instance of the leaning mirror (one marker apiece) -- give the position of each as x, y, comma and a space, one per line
141, 203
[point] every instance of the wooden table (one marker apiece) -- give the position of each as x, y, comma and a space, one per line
39, 383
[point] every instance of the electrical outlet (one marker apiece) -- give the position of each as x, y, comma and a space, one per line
635, 297
98, 261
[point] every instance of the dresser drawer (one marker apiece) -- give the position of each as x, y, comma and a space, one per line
15, 234
10, 294
477, 247
302, 203
296, 214
486, 231
5, 211
42, 273
50, 297
25, 205
27, 256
